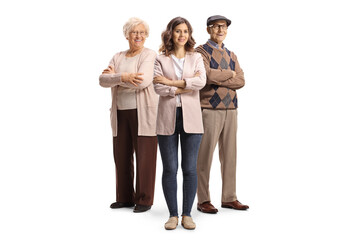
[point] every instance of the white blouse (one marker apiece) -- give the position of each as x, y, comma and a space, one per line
179, 67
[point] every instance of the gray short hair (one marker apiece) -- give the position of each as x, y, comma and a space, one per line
133, 22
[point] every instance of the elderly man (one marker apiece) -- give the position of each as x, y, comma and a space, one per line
219, 103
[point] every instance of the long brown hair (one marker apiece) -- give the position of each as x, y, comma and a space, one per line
167, 47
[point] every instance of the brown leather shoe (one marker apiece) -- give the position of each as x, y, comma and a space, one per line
234, 205
206, 207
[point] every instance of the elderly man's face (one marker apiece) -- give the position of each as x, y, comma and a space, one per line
218, 31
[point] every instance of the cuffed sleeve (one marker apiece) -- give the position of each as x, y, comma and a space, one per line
197, 83
161, 89
164, 90
110, 80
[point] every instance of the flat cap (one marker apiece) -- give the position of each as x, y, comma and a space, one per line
214, 18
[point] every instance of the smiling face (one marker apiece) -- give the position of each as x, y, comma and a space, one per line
137, 37
218, 31
180, 35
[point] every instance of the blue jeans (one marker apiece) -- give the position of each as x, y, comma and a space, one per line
168, 145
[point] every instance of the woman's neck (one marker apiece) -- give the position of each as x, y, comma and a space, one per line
179, 52
133, 52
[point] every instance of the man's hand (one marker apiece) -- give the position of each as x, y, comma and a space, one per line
234, 74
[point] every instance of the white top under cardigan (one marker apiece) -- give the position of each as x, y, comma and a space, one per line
179, 67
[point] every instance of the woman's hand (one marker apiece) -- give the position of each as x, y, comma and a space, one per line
162, 80
181, 91
109, 70
133, 78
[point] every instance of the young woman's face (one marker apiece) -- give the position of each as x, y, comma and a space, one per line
180, 35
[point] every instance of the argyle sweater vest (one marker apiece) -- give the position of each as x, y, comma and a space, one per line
214, 95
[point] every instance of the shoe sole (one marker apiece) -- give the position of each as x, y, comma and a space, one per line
187, 228
125, 206
241, 209
206, 212
140, 211
170, 228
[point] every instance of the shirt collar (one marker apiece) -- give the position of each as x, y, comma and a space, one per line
214, 44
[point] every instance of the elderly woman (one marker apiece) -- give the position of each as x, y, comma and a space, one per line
133, 118
179, 75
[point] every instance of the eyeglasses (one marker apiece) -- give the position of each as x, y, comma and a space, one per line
217, 26
138, 33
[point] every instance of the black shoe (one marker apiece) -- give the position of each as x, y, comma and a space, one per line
141, 208
121, 205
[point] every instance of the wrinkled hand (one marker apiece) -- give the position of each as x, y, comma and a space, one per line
162, 80
109, 70
133, 78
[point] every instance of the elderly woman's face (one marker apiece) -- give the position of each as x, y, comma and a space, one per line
137, 37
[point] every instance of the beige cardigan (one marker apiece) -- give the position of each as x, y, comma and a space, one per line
146, 98
192, 118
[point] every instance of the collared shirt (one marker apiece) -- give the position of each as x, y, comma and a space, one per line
215, 45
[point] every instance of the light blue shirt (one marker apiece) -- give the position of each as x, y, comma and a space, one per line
215, 45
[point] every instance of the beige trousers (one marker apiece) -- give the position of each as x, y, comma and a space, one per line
220, 126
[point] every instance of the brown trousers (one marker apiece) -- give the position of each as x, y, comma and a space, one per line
125, 144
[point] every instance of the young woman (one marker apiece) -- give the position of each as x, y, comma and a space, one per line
179, 75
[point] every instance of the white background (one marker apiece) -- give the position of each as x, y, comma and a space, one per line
298, 136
